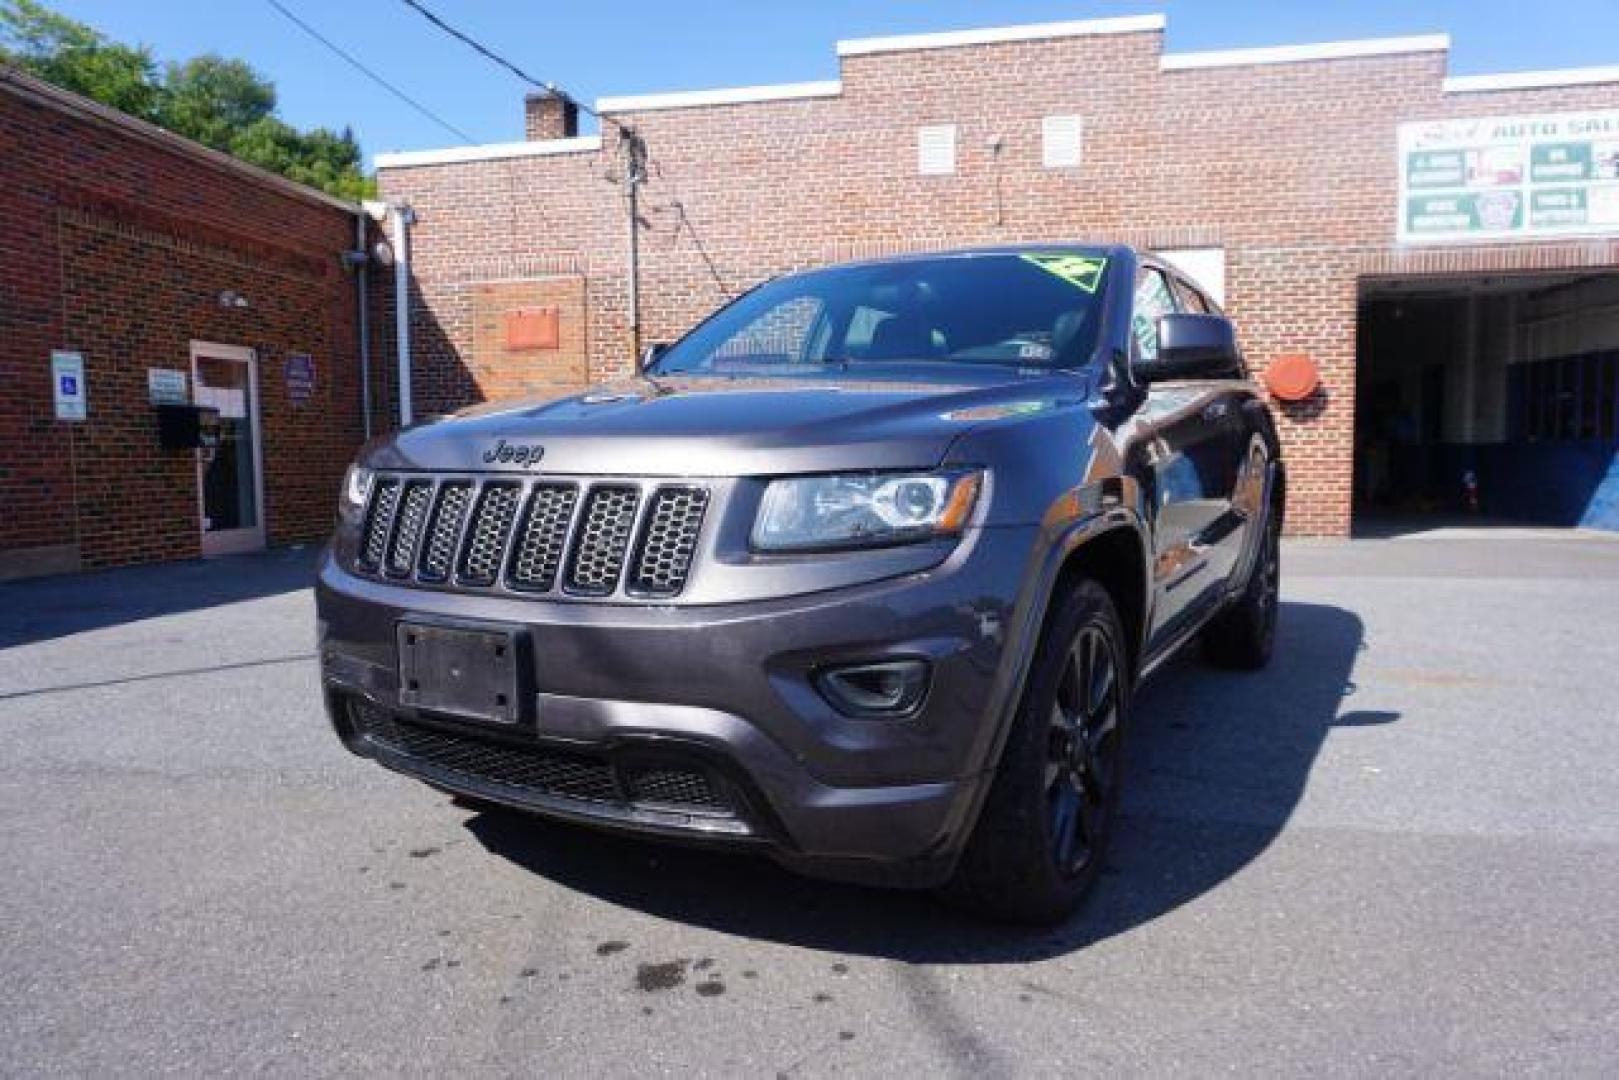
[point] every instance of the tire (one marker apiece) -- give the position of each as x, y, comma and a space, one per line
1041, 838
1243, 635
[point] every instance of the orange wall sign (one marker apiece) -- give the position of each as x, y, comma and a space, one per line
1292, 377
533, 328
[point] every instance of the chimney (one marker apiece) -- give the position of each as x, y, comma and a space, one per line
549, 116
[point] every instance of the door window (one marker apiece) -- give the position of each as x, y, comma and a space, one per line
1153, 299
229, 486
230, 493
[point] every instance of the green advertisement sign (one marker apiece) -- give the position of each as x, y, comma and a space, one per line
1464, 213
1507, 178
1560, 162
1437, 169
1558, 206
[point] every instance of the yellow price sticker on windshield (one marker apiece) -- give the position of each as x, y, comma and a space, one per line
1080, 271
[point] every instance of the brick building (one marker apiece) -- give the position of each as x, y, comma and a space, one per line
1443, 250
136, 266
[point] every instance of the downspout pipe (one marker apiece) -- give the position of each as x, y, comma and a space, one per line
362, 297
402, 218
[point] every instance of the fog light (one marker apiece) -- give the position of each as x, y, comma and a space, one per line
888, 688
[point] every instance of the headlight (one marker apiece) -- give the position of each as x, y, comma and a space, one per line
355, 495
813, 512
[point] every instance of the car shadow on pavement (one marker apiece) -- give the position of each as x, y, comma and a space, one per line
1218, 762
44, 608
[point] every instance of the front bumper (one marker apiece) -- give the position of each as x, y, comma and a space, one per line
721, 693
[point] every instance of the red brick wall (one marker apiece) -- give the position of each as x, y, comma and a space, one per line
117, 245
1291, 168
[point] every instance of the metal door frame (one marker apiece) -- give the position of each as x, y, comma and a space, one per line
233, 541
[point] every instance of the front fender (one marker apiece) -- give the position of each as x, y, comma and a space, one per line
1060, 543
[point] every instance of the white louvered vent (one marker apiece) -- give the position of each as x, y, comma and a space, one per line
936, 150
1062, 142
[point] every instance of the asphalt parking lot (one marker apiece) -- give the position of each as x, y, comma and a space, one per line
1396, 851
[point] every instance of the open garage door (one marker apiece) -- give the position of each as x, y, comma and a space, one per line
1487, 400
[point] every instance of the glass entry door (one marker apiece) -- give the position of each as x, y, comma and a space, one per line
230, 494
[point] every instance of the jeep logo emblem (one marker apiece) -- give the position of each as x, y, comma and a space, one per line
507, 454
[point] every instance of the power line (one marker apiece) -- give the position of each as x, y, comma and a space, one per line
725, 290
634, 156
490, 54
637, 160
372, 75
683, 220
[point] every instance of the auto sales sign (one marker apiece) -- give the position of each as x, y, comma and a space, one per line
1509, 178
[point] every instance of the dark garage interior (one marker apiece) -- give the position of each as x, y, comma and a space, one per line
1487, 400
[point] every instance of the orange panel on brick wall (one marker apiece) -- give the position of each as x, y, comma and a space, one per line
533, 328
510, 360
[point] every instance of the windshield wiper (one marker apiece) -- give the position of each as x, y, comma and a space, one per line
937, 362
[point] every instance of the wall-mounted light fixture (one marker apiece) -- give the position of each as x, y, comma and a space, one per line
230, 298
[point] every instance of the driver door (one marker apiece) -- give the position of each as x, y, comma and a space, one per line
1189, 455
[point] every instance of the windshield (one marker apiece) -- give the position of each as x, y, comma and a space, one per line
1023, 309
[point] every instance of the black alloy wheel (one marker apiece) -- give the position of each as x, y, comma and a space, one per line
1082, 753
1041, 839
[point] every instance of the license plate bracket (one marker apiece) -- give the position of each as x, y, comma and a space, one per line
474, 674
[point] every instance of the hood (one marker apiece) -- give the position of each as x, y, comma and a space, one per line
729, 426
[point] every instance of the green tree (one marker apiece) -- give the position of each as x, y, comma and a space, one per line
77, 58
219, 102
319, 158
208, 98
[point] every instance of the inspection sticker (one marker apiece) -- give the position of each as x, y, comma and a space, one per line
1080, 271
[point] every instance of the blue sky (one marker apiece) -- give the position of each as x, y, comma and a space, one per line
637, 46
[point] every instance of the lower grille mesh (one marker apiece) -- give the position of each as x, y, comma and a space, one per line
543, 770
549, 771
675, 787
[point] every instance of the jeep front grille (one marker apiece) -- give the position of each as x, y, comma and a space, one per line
379, 521
665, 555
408, 529
544, 537
603, 538
446, 531
491, 526
547, 535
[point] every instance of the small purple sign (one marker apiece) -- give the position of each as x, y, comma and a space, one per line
300, 375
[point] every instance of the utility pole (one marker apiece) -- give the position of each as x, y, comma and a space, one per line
634, 177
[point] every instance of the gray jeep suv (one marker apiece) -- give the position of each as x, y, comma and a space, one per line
861, 572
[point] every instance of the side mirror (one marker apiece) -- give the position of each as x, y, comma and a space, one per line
1192, 347
650, 354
